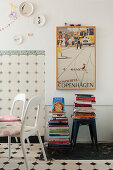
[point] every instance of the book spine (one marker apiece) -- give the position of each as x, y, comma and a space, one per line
59, 142
61, 122
58, 139
83, 105
53, 121
86, 98
59, 128
62, 136
58, 125
88, 113
85, 102
83, 118
57, 116
84, 95
58, 134
58, 113
81, 115
59, 119
59, 131
85, 110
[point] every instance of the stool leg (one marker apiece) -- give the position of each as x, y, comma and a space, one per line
95, 134
75, 132
72, 132
91, 132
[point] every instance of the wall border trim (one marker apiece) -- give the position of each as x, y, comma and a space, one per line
22, 52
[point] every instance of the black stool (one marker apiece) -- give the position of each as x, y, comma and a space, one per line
92, 127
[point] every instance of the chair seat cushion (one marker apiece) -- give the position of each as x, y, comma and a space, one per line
10, 128
8, 118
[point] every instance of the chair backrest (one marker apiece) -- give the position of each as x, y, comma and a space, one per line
34, 101
19, 97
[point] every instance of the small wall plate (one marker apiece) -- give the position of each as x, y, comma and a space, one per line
40, 20
26, 8
18, 39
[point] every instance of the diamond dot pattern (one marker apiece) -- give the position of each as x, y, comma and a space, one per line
17, 162
107, 163
93, 163
22, 72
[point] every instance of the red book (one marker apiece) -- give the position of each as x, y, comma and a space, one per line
84, 113
83, 116
86, 98
83, 105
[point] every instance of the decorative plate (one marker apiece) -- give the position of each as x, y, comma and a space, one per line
40, 20
18, 39
26, 8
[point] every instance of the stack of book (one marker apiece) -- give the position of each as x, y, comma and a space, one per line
58, 128
83, 108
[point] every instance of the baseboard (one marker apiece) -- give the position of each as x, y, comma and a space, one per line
32, 139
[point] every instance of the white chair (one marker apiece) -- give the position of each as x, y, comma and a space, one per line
23, 131
19, 97
11, 117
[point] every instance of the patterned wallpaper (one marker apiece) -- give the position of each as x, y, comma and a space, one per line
22, 72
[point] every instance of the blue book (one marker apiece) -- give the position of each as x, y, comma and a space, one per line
53, 121
58, 104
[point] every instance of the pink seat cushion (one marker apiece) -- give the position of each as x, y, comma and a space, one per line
8, 118
10, 128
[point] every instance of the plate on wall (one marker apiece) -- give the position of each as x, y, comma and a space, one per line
17, 39
26, 8
40, 20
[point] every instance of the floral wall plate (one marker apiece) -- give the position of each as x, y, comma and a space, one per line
40, 20
26, 8
18, 39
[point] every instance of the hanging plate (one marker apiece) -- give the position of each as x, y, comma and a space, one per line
18, 39
26, 8
40, 20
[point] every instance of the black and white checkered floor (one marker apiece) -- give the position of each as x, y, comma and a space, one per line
16, 162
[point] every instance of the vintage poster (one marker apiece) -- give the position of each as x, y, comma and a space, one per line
76, 58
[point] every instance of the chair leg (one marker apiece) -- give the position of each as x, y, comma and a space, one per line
24, 154
42, 146
28, 142
16, 139
9, 146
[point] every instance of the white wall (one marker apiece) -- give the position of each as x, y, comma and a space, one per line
86, 12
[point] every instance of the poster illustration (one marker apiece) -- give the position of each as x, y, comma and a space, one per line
76, 58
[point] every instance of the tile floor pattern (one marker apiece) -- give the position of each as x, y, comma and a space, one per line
16, 162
